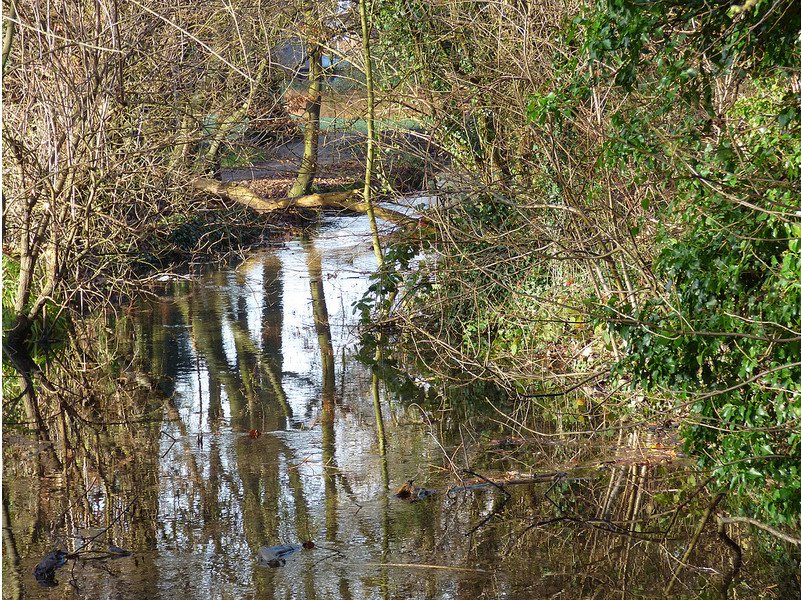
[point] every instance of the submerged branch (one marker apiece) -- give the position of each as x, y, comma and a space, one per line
774, 532
693, 542
483, 482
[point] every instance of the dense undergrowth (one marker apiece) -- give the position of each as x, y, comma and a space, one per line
634, 236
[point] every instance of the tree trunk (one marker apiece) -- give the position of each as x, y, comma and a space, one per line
311, 129
8, 34
227, 125
371, 137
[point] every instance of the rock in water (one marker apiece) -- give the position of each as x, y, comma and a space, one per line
412, 493
275, 556
45, 571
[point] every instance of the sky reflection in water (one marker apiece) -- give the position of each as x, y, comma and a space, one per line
268, 436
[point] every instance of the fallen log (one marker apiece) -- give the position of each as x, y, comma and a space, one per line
349, 200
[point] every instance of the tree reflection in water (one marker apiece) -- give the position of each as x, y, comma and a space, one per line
151, 435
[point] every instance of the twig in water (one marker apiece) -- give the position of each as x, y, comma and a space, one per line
774, 532
420, 566
708, 513
495, 511
174, 441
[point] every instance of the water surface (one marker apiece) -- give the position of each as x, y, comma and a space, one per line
241, 419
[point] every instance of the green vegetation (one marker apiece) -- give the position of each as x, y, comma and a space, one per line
723, 334
645, 217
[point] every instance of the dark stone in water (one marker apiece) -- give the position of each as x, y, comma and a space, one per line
423, 493
412, 493
45, 571
117, 552
275, 556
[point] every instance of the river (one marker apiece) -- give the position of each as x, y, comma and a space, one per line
231, 415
